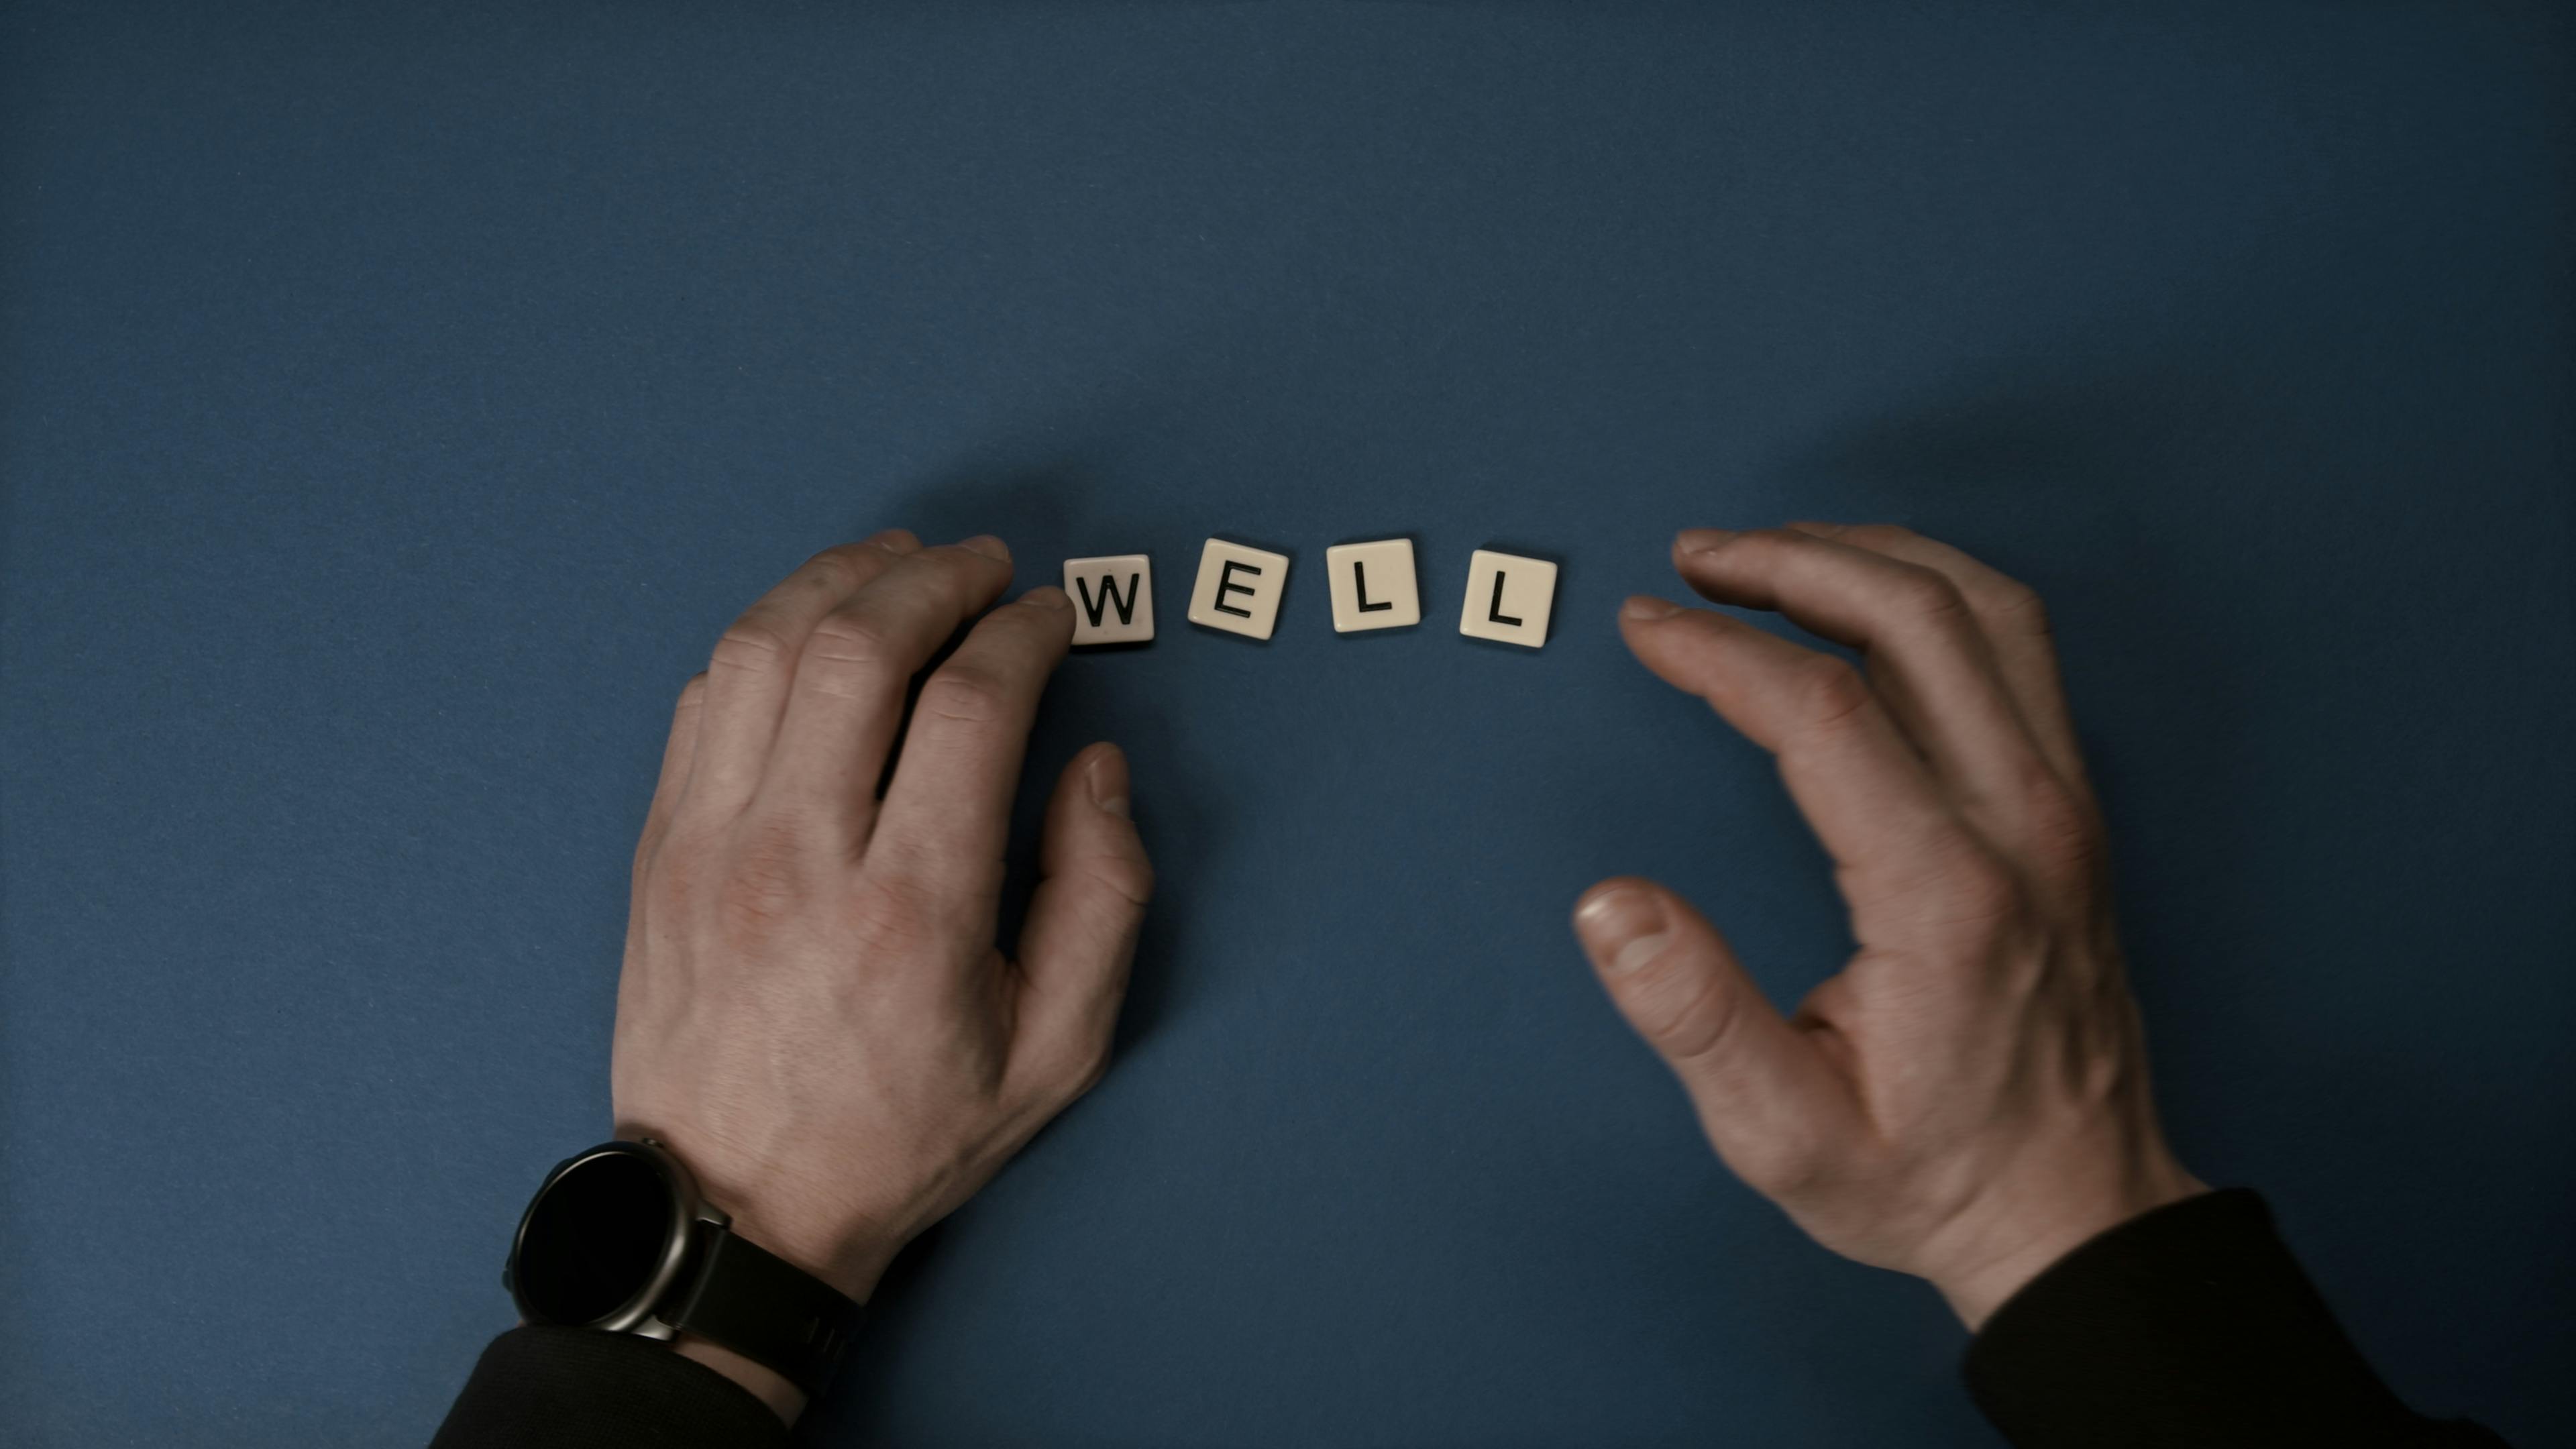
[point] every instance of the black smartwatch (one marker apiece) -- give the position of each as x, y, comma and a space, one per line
617, 1239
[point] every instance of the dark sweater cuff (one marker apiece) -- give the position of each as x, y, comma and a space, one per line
2186, 1326
581, 1389
2190, 1324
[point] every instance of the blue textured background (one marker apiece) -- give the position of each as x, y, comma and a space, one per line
396, 399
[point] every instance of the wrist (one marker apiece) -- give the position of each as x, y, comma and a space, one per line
623, 1238
2035, 1239
763, 1383
809, 1228
850, 1259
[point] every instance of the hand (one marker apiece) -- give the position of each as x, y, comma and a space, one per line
813, 1014
1967, 1099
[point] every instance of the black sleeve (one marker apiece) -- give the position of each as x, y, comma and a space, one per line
572, 1388
2190, 1325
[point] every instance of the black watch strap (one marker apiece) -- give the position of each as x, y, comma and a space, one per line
761, 1307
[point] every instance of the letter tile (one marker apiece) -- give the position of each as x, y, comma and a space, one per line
1113, 598
1508, 598
1238, 589
1373, 585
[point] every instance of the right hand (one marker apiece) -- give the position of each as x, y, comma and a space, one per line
1967, 1100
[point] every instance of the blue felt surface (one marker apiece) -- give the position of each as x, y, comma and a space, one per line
396, 399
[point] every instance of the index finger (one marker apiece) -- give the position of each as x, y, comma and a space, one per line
1872, 802
1907, 619
847, 700
2013, 619
947, 814
754, 667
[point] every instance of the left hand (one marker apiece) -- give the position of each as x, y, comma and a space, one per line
814, 1015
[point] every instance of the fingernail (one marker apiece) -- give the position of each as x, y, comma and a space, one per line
989, 546
1047, 596
1106, 778
1701, 540
1623, 927
897, 540
1647, 606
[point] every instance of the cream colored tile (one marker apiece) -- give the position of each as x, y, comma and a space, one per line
1508, 598
1238, 589
1373, 585
1113, 598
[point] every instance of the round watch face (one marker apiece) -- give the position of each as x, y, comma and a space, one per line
597, 1239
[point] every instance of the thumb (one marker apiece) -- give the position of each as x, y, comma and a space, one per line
1080, 935
1771, 1103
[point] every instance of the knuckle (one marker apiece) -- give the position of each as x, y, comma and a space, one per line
1830, 692
848, 637
834, 570
669, 870
765, 884
1064, 1071
1979, 893
648, 846
966, 694
1928, 595
1133, 877
2063, 831
749, 646
896, 916
1686, 1018
1090, 1063
1783, 1167
2012, 603
1130, 879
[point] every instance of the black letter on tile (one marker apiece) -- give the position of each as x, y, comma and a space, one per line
1225, 584
1108, 596
1494, 610
1359, 575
